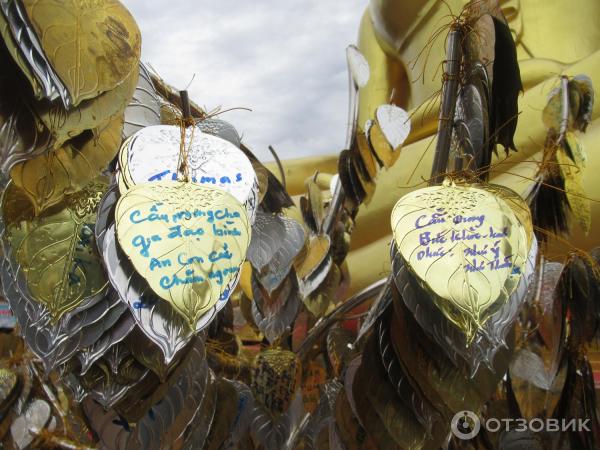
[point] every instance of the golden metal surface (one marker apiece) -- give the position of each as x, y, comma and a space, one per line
57, 250
466, 246
188, 241
92, 46
48, 178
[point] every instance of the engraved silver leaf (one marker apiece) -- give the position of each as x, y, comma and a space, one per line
119, 331
488, 340
155, 317
423, 410
55, 343
379, 306
144, 108
273, 434
275, 316
276, 241
222, 129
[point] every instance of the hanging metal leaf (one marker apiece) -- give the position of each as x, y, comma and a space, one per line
156, 318
274, 234
198, 430
324, 297
358, 66
66, 124
49, 178
466, 246
377, 309
368, 416
412, 399
451, 339
271, 433
92, 48
537, 387
399, 421
153, 155
56, 252
143, 109
111, 377
275, 312
220, 128
151, 356
313, 264
22, 135
115, 334
275, 243
161, 250
572, 172
220, 430
394, 123
167, 419
55, 343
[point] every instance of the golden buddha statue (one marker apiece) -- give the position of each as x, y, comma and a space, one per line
404, 43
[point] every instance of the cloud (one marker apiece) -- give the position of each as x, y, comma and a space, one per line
284, 60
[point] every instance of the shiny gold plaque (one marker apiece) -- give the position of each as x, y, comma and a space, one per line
466, 246
188, 241
57, 250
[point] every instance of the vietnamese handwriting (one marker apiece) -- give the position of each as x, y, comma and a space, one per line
156, 216
167, 282
187, 264
482, 247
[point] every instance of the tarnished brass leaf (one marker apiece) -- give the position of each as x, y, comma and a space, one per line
92, 46
48, 178
57, 251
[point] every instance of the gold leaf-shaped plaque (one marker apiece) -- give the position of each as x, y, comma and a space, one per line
188, 241
47, 178
57, 250
92, 45
465, 245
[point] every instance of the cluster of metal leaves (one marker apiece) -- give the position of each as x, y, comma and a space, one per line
558, 192
488, 340
404, 389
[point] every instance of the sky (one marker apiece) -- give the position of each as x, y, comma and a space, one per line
285, 60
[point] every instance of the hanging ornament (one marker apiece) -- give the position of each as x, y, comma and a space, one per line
466, 246
152, 154
188, 241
